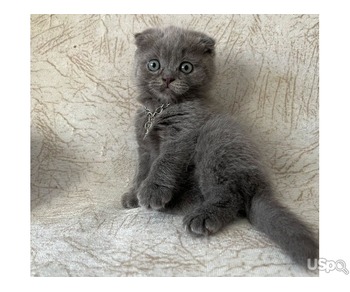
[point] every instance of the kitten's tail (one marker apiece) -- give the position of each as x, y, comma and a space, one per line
284, 228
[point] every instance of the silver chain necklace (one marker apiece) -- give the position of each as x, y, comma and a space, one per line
151, 116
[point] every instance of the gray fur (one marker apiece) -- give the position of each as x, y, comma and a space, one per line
193, 151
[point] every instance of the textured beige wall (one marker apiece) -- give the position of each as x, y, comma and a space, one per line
83, 148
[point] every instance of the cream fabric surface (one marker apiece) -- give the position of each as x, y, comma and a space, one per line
84, 151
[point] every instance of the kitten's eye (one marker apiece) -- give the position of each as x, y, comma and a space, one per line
153, 65
186, 67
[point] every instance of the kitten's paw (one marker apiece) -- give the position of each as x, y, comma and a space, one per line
154, 196
201, 222
129, 200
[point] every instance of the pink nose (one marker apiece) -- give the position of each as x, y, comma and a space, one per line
168, 80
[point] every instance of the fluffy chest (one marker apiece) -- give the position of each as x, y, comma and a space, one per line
160, 124
169, 123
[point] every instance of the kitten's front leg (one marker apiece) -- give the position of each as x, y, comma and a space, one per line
129, 199
154, 196
158, 188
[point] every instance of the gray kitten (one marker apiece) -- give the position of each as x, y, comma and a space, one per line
189, 150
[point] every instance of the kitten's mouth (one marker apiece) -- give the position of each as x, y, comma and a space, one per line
173, 90
167, 90
167, 95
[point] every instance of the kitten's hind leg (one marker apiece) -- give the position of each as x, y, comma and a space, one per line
219, 209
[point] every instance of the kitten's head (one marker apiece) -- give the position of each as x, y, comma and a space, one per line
173, 63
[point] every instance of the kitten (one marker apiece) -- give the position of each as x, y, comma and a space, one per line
188, 149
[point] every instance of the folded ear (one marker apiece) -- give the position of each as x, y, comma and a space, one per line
208, 44
146, 38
